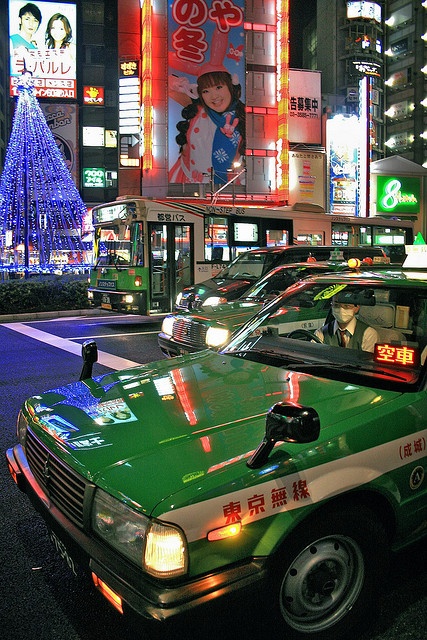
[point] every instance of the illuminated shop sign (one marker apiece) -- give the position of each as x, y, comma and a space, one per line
398, 194
205, 50
398, 79
398, 109
368, 68
399, 48
306, 177
94, 177
93, 96
93, 136
343, 136
43, 42
129, 113
364, 10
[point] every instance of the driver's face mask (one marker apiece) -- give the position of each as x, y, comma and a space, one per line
343, 313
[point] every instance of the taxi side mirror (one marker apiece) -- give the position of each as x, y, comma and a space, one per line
90, 356
286, 422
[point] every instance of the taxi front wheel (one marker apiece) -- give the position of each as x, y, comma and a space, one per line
328, 584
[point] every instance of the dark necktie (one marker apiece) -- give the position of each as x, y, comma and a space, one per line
343, 337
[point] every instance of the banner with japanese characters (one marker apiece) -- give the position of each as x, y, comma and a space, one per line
206, 85
42, 38
305, 106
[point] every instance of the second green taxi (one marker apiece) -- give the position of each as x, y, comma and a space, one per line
210, 327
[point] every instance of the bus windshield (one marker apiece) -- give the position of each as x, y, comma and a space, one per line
112, 249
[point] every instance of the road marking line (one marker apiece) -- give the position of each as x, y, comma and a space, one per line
104, 358
114, 335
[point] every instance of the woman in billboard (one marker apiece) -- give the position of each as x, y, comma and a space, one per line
59, 38
214, 122
58, 32
211, 137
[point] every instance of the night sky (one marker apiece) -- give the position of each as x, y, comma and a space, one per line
300, 13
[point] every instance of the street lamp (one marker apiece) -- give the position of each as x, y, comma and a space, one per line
215, 195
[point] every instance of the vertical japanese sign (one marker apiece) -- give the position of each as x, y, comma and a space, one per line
305, 101
206, 83
42, 37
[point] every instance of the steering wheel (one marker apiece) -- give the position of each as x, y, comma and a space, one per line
303, 334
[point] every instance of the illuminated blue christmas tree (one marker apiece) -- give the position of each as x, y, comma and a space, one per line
41, 209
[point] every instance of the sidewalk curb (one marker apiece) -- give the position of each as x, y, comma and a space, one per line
49, 315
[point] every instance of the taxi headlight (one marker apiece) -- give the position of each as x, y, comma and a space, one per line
167, 325
216, 337
21, 428
213, 301
157, 548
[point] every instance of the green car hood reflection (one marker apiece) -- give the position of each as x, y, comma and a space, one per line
144, 433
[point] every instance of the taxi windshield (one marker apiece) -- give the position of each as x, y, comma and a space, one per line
248, 265
340, 330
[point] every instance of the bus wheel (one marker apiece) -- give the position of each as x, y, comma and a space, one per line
328, 583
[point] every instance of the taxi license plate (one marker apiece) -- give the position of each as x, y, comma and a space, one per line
62, 550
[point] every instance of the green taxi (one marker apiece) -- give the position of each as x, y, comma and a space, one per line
211, 326
283, 468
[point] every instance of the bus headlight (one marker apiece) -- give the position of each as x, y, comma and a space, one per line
167, 325
216, 337
160, 549
128, 299
213, 301
90, 295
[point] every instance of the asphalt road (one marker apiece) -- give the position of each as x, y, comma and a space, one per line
40, 597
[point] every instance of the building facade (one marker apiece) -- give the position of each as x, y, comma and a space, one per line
120, 128
385, 41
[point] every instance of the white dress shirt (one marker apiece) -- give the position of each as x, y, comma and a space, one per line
370, 336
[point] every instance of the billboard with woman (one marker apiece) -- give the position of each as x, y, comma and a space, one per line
206, 84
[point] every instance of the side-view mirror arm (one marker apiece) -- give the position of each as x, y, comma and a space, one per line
286, 422
90, 356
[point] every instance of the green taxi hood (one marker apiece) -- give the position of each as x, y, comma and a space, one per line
146, 433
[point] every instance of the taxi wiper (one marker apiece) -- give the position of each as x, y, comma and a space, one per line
301, 366
243, 352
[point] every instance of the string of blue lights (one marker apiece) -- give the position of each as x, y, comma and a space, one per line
41, 210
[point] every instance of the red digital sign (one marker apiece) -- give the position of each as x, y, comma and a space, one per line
402, 355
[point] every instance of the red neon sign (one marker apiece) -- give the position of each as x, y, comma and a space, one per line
402, 355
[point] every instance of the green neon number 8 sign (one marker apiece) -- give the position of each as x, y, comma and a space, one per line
398, 194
